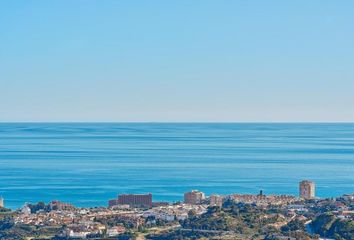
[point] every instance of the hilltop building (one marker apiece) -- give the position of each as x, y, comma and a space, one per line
194, 197
348, 197
216, 200
57, 205
133, 200
2, 202
307, 189
25, 210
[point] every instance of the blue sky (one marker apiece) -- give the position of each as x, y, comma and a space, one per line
176, 60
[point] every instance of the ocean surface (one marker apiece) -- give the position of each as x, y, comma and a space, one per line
88, 163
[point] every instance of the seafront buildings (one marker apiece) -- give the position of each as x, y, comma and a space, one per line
60, 206
133, 200
216, 200
262, 199
136, 211
194, 197
67, 221
307, 189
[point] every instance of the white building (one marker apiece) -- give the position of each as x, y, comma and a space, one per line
115, 231
77, 234
25, 210
182, 216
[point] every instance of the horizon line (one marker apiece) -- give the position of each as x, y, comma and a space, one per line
181, 122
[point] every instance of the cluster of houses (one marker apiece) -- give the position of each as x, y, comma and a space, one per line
83, 222
174, 212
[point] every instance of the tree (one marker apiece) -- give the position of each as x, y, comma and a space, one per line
192, 213
294, 225
6, 223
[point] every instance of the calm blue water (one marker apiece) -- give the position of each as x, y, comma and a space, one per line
87, 164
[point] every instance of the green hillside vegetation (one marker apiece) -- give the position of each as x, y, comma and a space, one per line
328, 225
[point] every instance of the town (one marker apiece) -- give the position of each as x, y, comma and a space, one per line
234, 216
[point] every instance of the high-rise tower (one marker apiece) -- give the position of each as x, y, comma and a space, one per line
307, 189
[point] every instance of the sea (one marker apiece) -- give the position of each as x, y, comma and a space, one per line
87, 164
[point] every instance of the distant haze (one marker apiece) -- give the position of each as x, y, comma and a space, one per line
177, 60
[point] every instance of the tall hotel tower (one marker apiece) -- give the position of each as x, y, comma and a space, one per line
307, 189
194, 197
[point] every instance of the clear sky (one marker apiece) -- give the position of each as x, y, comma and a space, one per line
176, 60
